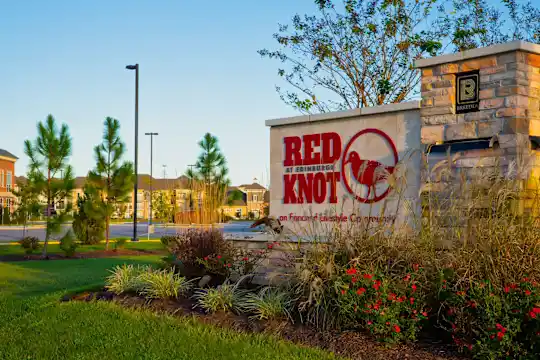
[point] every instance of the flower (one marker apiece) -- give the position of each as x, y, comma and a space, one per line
500, 335
472, 304
245, 259
377, 284
206, 258
469, 346
219, 256
416, 267
533, 313
370, 322
407, 278
397, 329
354, 280
506, 289
360, 291
351, 271
391, 296
501, 328
229, 265
368, 276
413, 287
425, 313
270, 246
343, 292
527, 292
412, 301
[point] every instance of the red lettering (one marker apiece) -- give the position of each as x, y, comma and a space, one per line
305, 188
289, 195
293, 147
333, 178
319, 190
331, 147
310, 157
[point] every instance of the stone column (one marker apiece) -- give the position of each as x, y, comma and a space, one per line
509, 104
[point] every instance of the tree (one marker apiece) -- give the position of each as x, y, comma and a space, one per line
88, 224
212, 173
164, 205
111, 179
361, 53
49, 154
6, 218
27, 204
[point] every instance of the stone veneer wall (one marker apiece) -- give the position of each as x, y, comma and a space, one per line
509, 109
509, 100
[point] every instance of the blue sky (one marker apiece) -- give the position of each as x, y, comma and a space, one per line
200, 72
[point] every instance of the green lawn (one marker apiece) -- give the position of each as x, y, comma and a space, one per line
55, 248
35, 325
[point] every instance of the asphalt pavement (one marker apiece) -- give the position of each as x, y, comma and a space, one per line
241, 228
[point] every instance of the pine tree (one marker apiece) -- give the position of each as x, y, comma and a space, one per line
111, 179
49, 154
211, 171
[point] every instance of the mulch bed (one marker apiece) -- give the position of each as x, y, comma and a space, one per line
83, 255
348, 344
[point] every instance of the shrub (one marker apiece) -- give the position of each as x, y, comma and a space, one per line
236, 260
68, 244
164, 284
269, 303
29, 244
166, 240
226, 297
393, 309
198, 244
88, 224
120, 242
126, 278
492, 322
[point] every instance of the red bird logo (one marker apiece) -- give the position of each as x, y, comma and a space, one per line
368, 172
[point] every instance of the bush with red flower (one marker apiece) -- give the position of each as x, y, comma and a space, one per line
236, 261
492, 322
392, 308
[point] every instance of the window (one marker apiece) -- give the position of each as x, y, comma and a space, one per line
9, 181
255, 198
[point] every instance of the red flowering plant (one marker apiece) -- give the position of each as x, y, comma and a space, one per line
390, 307
492, 322
239, 261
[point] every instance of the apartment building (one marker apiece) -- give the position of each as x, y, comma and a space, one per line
7, 179
254, 200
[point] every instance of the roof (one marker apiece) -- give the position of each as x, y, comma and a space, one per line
7, 154
181, 182
517, 45
144, 182
253, 186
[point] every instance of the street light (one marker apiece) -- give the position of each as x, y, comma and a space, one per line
136, 183
151, 134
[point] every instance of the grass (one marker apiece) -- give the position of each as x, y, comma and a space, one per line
35, 325
16, 249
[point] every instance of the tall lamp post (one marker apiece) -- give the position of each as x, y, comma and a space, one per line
151, 134
136, 183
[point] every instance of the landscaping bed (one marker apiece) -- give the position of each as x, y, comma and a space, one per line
348, 344
82, 255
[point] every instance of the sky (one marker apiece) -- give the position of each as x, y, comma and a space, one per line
199, 72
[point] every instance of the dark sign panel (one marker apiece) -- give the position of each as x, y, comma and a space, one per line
467, 92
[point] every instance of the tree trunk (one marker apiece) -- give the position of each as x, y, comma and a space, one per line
107, 232
48, 214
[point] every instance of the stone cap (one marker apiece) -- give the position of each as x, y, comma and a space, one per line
517, 45
335, 115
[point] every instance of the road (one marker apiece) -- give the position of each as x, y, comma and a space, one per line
125, 230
